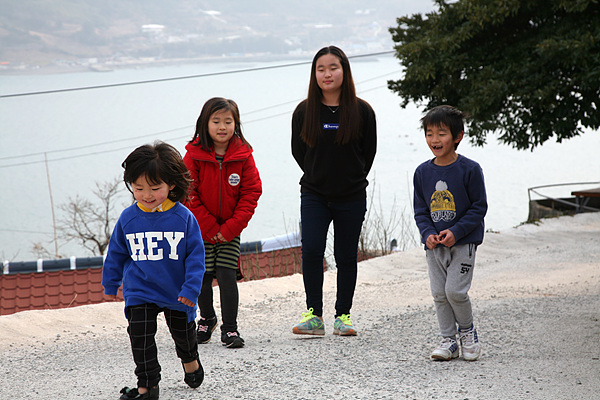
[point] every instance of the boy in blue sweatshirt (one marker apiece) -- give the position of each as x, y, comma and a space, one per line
450, 204
156, 252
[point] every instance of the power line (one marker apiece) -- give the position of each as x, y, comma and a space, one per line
165, 131
148, 135
114, 149
143, 136
180, 77
88, 145
25, 231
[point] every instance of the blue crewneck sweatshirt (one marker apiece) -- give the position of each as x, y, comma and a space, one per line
157, 257
450, 197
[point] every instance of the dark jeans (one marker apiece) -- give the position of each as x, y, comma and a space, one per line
316, 215
142, 330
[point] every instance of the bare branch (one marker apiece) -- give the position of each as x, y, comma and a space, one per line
89, 222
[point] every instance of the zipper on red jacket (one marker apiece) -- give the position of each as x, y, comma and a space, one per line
220, 189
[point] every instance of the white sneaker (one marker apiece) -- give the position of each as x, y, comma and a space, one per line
469, 344
447, 350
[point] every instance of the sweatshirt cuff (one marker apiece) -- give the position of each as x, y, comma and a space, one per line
190, 295
111, 290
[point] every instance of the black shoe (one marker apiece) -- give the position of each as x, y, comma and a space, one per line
232, 339
205, 329
194, 379
133, 394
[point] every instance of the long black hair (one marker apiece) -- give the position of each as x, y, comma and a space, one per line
349, 116
201, 136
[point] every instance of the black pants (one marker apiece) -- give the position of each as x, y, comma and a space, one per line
142, 331
316, 216
230, 298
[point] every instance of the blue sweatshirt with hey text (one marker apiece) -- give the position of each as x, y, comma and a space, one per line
157, 257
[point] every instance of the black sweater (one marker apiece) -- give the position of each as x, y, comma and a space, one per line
336, 172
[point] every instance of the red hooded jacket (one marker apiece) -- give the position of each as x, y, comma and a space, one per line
223, 196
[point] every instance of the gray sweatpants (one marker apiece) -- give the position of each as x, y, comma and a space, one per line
450, 276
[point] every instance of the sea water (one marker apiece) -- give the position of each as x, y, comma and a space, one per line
55, 147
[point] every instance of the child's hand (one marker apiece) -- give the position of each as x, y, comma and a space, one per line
219, 238
111, 297
432, 241
447, 238
186, 301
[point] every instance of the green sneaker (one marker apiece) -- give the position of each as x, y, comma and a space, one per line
343, 326
310, 325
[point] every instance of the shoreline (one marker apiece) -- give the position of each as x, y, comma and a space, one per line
52, 69
109, 66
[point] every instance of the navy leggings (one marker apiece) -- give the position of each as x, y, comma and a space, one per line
316, 215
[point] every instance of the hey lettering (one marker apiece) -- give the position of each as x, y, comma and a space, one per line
148, 245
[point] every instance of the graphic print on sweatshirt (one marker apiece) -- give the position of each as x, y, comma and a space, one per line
442, 204
150, 245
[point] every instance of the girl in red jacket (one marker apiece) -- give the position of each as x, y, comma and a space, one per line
225, 190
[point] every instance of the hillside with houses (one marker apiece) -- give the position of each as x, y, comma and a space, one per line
46, 34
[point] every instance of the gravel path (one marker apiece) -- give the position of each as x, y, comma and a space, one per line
536, 298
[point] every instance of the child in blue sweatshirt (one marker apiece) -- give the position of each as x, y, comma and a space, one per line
450, 204
156, 252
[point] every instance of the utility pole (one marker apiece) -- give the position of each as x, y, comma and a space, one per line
51, 206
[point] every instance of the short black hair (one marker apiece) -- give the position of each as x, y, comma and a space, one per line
159, 162
447, 115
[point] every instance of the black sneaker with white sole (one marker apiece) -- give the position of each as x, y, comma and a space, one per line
232, 340
206, 326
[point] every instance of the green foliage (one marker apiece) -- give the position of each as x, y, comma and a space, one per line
527, 70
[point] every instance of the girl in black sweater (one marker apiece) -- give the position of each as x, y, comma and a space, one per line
334, 139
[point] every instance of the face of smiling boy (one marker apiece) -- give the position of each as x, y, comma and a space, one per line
440, 141
150, 195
